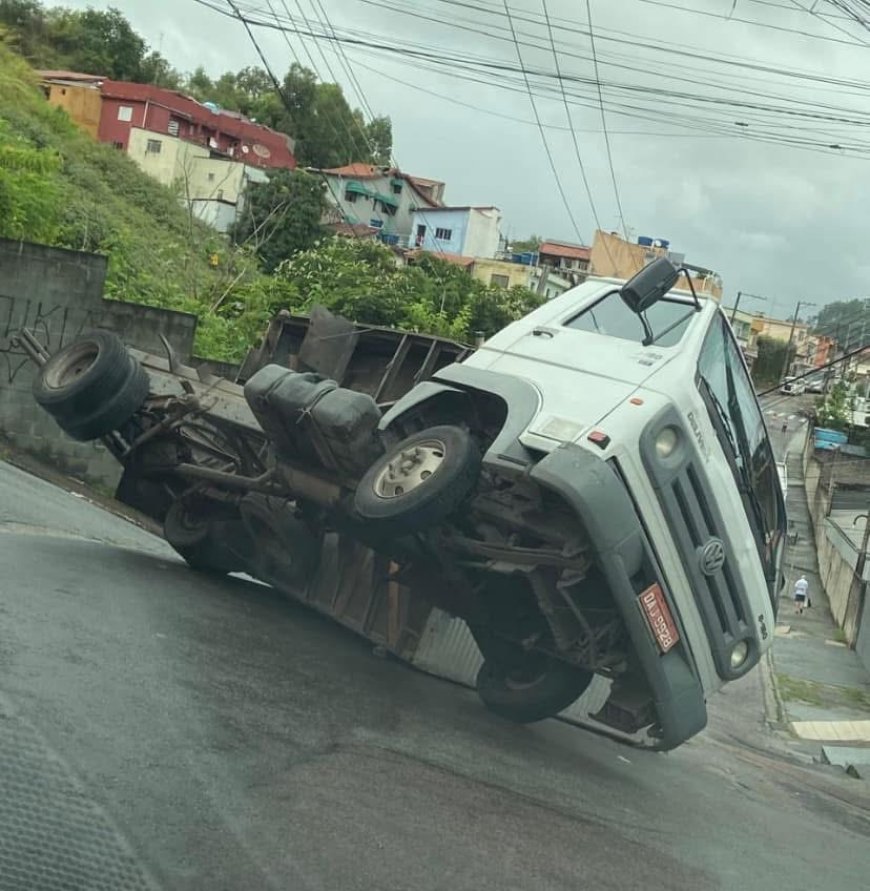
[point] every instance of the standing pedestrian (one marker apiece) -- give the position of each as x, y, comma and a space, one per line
801, 594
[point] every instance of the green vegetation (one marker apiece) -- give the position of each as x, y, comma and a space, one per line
327, 131
282, 216
59, 187
767, 368
835, 410
814, 693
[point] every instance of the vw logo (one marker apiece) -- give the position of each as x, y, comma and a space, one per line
712, 556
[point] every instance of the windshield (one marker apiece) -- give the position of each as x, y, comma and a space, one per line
730, 398
668, 320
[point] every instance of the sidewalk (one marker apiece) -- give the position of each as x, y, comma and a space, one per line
823, 688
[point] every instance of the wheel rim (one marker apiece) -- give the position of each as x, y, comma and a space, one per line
519, 679
410, 468
71, 366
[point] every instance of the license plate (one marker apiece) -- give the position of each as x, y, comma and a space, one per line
659, 618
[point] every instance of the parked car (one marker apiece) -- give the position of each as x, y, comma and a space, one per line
792, 387
815, 385
593, 491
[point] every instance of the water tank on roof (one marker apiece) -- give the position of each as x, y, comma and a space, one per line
212, 106
644, 240
662, 243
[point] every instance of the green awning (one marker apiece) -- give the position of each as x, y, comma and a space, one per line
354, 186
391, 200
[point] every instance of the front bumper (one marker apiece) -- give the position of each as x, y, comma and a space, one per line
621, 549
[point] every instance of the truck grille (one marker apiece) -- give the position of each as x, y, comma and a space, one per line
719, 596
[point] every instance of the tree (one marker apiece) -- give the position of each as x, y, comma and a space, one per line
380, 136
835, 410
281, 217
768, 366
359, 279
845, 321
532, 243
97, 42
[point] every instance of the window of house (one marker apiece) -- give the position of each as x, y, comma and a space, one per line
118, 145
397, 188
351, 197
125, 113
173, 128
375, 223
501, 280
153, 147
388, 209
443, 234
220, 195
211, 177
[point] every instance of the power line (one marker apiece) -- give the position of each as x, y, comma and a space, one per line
541, 128
603, 119
574, 140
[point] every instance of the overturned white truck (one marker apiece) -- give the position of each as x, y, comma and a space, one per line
592, 491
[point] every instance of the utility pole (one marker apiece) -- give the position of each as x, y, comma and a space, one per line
737, 302
794, 319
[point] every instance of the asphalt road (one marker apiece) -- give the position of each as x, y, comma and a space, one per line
161, 729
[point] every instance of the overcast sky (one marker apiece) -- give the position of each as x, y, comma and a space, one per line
774, 220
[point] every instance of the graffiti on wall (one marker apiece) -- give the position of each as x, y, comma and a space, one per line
53, 324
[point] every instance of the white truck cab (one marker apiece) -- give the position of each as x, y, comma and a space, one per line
623, 444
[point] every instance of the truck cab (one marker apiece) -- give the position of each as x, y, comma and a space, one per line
626, 484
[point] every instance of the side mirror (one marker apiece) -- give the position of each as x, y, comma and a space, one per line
649, 285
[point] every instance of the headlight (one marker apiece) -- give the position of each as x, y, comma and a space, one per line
666, 442
739, 654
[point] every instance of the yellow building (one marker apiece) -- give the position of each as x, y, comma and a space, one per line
500, 272
614, 257
212, 187
78, 95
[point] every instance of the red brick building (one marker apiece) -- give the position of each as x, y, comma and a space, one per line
128, 105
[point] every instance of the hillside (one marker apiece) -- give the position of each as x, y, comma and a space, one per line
59, 187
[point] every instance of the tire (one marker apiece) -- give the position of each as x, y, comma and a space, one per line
540, 689
205, 544
447, 465
284, 551
92, 386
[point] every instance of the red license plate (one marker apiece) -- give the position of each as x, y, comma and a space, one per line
659, 618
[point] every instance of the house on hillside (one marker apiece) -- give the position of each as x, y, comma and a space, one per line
467, 231
566, 257
615, 257
382, 198
209, 154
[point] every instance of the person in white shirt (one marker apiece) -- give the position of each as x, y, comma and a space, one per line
801, 594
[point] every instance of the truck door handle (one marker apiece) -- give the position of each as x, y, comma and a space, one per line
542, 332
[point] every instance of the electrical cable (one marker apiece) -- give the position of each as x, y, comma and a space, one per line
603, 118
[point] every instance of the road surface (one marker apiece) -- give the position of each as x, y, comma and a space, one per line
162, 729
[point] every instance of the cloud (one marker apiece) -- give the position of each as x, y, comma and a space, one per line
771, 219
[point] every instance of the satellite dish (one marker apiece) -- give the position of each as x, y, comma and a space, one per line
261, 151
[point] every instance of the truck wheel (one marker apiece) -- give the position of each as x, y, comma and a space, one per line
538, 687
92, 386
284, 552
418, 483
205, 544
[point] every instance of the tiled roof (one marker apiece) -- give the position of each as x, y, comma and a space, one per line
358, 170
560, 249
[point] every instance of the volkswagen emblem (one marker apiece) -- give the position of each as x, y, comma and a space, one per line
712, 556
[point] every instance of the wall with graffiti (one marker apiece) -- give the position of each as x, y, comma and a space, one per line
58, 294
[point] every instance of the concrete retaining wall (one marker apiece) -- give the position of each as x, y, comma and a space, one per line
58, 295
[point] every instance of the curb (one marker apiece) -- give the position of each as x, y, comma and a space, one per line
774, 708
